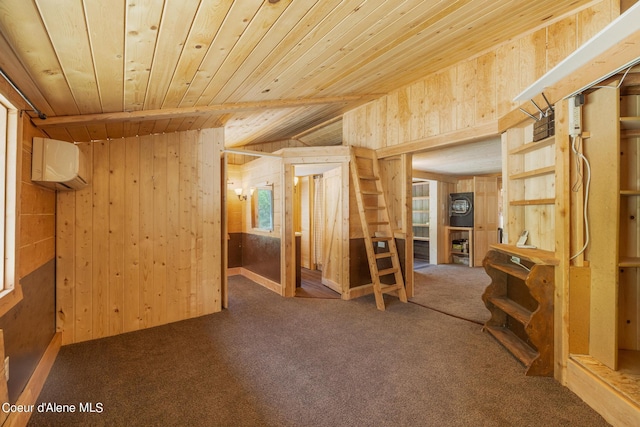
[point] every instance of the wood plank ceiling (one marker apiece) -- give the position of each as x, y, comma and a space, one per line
266, 70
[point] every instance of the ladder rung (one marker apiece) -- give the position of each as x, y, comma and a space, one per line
369, 177
381, 255
381, 239
379, 223
373, 208
387, 271
371, 193
389, 288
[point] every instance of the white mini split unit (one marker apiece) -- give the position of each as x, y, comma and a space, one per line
58, 165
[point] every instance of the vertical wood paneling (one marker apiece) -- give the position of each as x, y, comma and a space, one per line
466, 89
485, 100
146, 230
447, 100
561, 40
595, 18
507, 76
65, 273
116, 235
393, 127
211, 223
174, 288
198, 227
533, 61
432, 114
131, 315
83, 263
141, 244
158, 302
100, 260
186, 238
416, 105
404, 114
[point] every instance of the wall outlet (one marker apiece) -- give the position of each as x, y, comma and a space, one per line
6, 367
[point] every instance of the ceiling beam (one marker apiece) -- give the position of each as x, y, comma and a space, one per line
172, 113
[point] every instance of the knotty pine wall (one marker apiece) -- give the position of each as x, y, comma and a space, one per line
474, 92
28, 327
141, 245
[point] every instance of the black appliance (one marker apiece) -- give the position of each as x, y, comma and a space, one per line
461, 209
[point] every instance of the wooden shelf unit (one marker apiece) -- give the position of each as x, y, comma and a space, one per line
529, 186
612, 118
459, 233
421, 217
521, 304
629, 227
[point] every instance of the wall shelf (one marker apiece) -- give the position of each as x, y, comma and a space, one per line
629, 262
532, 146
630, 123
533, 173
532, 202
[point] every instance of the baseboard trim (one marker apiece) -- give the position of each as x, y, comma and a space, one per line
261, 280
358, 292
33, 388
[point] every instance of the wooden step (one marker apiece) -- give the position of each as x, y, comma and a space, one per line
381, 239
373, 208
387, 271
382, 255
368, 178
513, 309
379, 223
389, 288
371, 192
515, 345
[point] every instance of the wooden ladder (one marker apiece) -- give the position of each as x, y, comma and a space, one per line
376, 226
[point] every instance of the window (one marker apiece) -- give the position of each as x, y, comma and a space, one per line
8, 186
262, 208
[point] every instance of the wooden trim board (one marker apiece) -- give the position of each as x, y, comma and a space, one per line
614, 407
33, 388
261, 280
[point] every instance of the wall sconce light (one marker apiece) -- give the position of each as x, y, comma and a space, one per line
241, 197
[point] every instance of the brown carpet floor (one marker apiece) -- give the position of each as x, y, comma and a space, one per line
273, 361
452, 289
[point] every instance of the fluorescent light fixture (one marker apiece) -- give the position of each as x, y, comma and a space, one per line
619, 29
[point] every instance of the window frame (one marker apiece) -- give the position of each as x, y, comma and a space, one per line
10, 291
256, 210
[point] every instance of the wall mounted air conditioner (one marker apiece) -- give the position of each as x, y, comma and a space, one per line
58, 164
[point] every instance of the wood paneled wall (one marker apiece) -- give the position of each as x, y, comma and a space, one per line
141, 245
476, 91
37, 211
235, 207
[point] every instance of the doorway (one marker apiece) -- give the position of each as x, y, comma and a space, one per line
314, 221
